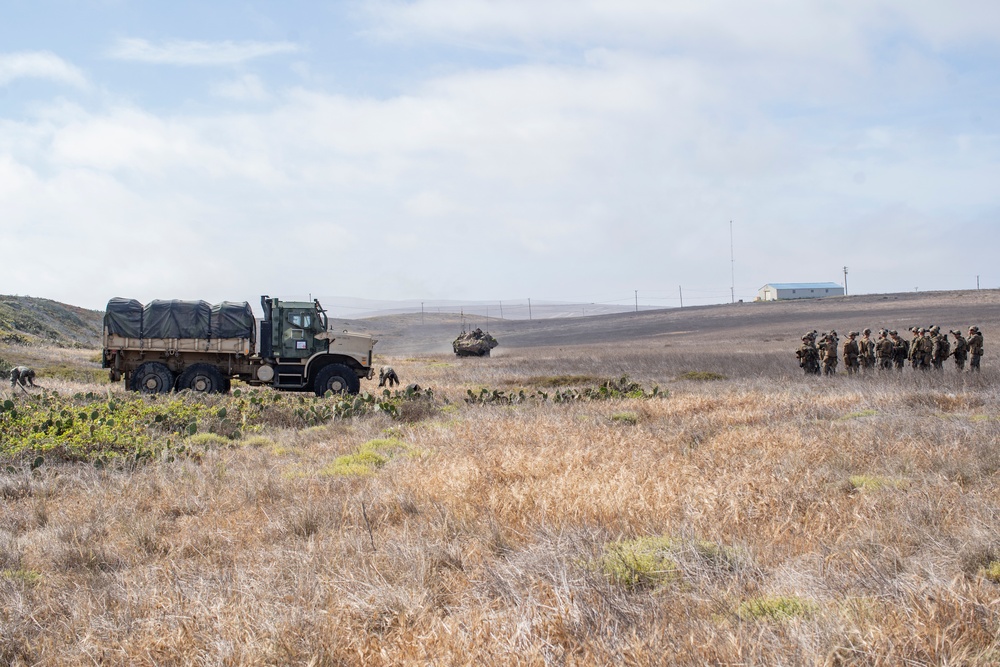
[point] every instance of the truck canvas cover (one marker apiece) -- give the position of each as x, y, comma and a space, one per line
231, 319
124, 317
177, 319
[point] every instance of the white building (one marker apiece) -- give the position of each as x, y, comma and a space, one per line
776, 291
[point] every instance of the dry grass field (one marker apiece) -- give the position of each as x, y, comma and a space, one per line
757, 518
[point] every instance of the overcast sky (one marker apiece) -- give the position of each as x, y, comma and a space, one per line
570, 150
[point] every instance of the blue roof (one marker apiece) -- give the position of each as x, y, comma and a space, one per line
804, 285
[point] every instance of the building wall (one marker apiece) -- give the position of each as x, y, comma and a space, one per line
809, 293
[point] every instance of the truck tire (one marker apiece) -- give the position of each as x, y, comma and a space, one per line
202, 378
152, 377
337, 378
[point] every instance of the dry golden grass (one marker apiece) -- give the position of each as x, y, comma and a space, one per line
805, 521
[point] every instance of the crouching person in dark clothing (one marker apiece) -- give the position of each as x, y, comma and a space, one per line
387, 376
22, 375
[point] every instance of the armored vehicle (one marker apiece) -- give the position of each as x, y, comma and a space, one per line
195, 345
475, 343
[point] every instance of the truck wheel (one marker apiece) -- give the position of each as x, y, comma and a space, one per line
152, 377
337, 378
202, 378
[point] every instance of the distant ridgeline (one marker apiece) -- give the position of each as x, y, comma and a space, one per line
26, 320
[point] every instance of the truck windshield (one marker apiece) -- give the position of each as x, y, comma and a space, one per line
303, 320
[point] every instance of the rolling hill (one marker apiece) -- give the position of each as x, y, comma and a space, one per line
25, 319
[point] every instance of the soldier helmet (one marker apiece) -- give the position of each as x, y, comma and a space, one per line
866, 331
833, 332
852, 334
893, 333
974, 329
935, 329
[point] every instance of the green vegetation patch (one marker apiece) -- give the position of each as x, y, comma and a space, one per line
859, 414
400, 404
21, 576
876, 482
701, 376
781, 608
625, 418
606, 390
367, 459
208, 440
645, 562
992, 571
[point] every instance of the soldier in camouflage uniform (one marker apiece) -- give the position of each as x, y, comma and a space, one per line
22, 375
851, 353
828, 352
920, 349
926, 349
884, 350
914, 353
975, 348
900, 350
866, 351
940, 348
961, 351
808, 355
387, 376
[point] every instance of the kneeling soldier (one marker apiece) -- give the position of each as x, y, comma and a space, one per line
387, 376
22, 375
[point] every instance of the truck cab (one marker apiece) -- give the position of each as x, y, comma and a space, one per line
299, 351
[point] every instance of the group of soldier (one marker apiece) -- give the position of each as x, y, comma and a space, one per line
926, 349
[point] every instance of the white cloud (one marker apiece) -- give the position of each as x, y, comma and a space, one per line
39, 65
181, 52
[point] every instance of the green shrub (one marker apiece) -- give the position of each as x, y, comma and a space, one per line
774, 609
644, 562
367, 459
992, 571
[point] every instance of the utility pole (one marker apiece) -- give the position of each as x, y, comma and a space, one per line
637, 301
501, 310
732, 264
845, 281
977, 283
529, 308
421, 313
680, 293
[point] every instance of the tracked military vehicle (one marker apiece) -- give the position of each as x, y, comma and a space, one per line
475, 343
167, 345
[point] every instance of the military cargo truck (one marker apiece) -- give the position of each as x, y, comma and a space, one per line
167, 345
